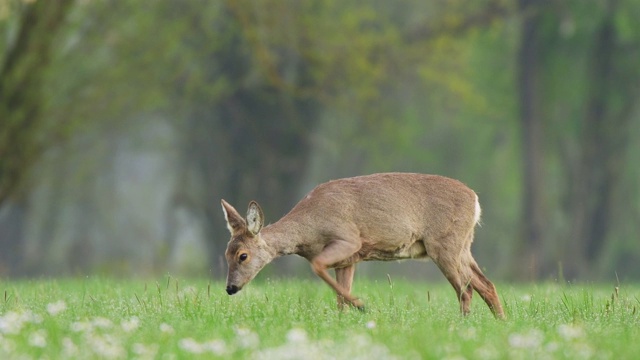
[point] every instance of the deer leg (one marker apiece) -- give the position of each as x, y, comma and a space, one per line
344, 277
451, 272
335, 252
447, 253
486, 290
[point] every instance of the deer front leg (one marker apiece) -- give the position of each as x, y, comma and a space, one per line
335, 252
344, 277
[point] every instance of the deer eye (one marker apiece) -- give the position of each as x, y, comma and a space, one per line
243, 257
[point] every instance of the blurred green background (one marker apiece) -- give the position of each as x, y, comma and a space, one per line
123, 123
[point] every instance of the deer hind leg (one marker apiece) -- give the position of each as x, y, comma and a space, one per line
344, 277
461, 284
446, 253
485, 289
334, 253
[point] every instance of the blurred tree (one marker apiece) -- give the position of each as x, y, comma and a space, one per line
609, 105
577, 104
529, 88
24, 65
24, 133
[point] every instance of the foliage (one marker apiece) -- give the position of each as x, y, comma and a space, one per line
107, 318
23, 67
149, 113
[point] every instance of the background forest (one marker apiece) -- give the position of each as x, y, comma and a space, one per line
123, 123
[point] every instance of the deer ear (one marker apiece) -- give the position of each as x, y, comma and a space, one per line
235, 222
255, 218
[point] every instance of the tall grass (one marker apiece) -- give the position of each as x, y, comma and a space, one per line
171, 318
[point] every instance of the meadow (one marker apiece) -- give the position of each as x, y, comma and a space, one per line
172, 318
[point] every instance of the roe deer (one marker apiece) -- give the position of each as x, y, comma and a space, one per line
389, 216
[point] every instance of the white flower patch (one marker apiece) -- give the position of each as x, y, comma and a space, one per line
216, 347
38, 338
246, 338
191, 346
299, 346
56, 308
530, 340
13, 322
130, 324
81, 326
167, 329
371, 324
570, 332
106, 346
101, 323
69, 348
297, 336
145, 351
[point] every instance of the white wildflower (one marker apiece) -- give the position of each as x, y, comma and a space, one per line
106, 346
217, 347
190, 345
355, 347
166, 328
69, 349
526, 298
145, 351
13, 322
38, 338
371, 324
81, 326
246, 338
570, 332
297, 336
56, 308
30, 317
130, 324
101, 323
531, 340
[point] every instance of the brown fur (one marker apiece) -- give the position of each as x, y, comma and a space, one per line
389, 216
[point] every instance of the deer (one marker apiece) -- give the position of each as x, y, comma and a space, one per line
385, 216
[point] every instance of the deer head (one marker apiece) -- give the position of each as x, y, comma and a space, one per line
247, 253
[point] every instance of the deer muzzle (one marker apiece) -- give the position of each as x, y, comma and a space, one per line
232, 289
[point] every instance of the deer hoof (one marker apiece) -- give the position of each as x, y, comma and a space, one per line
358, 305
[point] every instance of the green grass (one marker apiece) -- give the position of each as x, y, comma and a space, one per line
186, 318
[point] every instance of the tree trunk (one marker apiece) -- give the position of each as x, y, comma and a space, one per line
530, 263
21, 78
603, 145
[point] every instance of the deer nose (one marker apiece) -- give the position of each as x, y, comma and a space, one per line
232, 289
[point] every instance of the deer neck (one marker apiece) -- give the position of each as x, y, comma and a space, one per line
282, 238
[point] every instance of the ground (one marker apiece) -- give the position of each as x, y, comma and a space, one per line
170, 318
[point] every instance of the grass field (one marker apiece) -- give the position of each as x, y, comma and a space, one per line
295, 319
